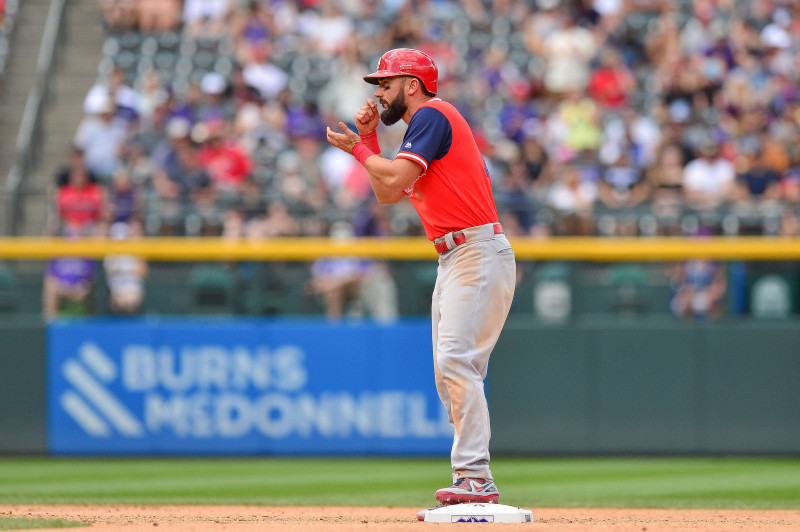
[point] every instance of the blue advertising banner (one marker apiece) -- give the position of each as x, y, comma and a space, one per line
194, 386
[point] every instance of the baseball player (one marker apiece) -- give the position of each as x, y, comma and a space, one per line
440, 170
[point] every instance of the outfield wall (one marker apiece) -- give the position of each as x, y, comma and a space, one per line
594, 385
22, 385
648, 386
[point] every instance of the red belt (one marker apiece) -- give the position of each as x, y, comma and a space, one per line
458, 238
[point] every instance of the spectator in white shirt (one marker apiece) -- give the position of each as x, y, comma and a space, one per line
708, 180
101, 136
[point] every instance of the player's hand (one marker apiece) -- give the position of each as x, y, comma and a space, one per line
367, 117
345, 140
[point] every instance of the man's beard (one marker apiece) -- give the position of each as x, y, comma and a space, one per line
396, 109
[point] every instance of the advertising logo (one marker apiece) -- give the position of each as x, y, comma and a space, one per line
88, 402
164, 388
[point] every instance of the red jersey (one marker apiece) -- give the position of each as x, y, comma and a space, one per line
607, 87
454, 190
227, 165
80, 206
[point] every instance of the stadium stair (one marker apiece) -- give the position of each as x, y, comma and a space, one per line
19, 77
75, 71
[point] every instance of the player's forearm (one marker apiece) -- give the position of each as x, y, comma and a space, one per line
387, 172
387, 176
384, 194
380, 176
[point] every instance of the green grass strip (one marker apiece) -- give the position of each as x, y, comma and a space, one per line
767, 483
24, 523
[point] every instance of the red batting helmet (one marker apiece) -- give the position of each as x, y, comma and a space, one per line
407, 62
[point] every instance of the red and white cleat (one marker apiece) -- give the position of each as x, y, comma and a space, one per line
467, 490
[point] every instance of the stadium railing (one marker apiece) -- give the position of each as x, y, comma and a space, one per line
592, 276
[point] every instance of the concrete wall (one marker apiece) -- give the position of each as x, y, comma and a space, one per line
649, 386
22, 385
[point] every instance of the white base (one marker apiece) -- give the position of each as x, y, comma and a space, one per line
478, 513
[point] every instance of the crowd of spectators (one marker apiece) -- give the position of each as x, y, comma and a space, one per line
604, 117
596, 117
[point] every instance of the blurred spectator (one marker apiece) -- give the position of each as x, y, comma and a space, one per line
702, 29
270, 221
790, 181
244, 217
612, 84
264, 76
757, 181
101, 136
353, 286
519, 117
622, 184
252, 32
276, 221
124, 198
699, 289
378, 295
708, 180
338, 280
214, 103
67, 288
158, 16
260, 126
572, 198
542, 22
125, 274
177, 130
185, 191
326, 28
80, 202
568, 51
574, 127
68, 282
119, 14
666, 181
125, 99
344, 92
152, 94
222, 158
206, 18
347, 181
789, 224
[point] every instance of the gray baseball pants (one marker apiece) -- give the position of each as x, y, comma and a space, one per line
471, 299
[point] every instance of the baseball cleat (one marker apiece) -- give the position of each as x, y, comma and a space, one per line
466, 490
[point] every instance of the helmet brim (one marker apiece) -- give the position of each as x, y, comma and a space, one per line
380, 74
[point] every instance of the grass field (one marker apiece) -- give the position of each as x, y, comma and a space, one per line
14, 523
754, 483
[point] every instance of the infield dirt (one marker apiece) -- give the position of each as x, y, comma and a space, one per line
335, 519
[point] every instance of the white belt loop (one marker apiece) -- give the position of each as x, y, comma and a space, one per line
448, 238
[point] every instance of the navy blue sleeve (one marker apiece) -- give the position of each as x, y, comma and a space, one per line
428, 137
